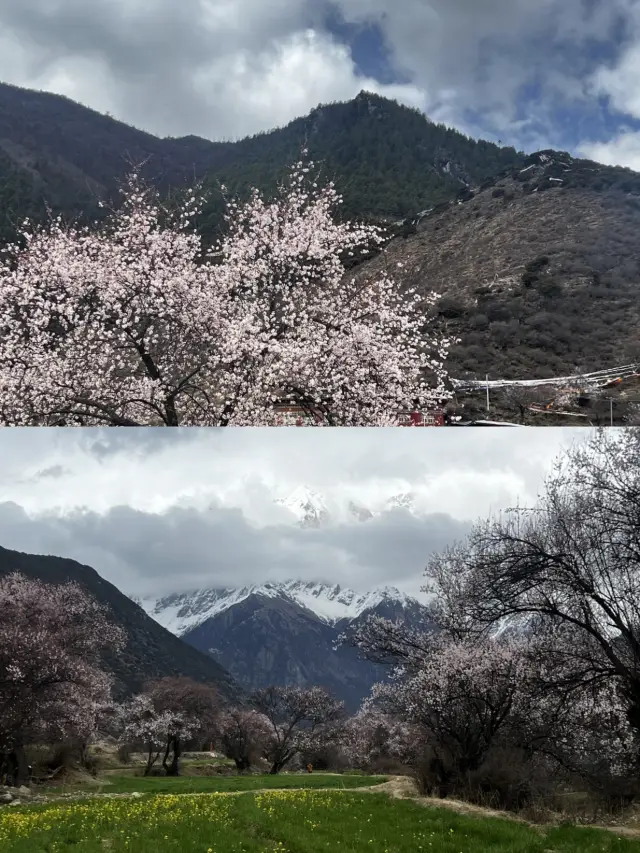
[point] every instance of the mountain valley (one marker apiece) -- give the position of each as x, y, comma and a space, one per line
151, 651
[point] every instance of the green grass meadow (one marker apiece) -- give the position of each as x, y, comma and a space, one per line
278, 821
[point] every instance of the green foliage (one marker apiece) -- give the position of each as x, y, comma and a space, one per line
388, 161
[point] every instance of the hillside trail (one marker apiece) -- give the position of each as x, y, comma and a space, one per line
397, 787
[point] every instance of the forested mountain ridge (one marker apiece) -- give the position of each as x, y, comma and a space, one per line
389, 161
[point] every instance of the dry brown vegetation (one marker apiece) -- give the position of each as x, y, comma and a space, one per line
535, 283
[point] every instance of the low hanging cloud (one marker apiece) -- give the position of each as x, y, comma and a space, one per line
159, 511
185, 549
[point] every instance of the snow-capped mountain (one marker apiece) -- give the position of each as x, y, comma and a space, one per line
402, 501
331, 604
308, 507
285, 633
312, 509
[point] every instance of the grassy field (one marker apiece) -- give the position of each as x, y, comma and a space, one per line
281, 821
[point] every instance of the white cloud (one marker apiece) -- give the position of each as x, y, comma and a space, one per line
276, 85
461, 472
622, 150
152, 509
226, 68
216, 69
619, 82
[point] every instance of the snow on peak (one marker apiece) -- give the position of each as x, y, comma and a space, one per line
405, 500
361, 513
312, 509
329, 602
308, 506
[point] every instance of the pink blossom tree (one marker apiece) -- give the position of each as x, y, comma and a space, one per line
142, 723
131, 325
243, 735
52, 685
298, 719
371, 736
462, 697
197, 703
579, 721
458, 698
572, 561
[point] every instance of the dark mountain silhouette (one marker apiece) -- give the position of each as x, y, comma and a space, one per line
151, 650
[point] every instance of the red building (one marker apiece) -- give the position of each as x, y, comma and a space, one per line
422, 419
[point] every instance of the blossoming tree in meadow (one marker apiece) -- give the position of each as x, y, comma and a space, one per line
135, 324
371, 738
457, 698
52, 686
192, 702
298, 719
243, 735
143, 723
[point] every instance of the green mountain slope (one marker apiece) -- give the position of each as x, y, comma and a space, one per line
389, 161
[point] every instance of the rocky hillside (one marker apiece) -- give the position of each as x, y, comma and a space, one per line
151, 650
539, 269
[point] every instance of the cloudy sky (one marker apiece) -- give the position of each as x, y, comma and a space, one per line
532, 73
161, 511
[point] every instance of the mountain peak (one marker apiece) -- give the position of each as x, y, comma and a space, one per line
308, 506
404, 500
331, 603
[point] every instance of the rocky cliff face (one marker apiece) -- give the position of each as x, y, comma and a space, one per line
539, 269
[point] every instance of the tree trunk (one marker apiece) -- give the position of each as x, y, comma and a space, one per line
7, 768
172, 769
84, 754
151, 759
15, 767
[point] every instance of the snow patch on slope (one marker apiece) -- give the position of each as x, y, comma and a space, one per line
308, 507
182, 612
